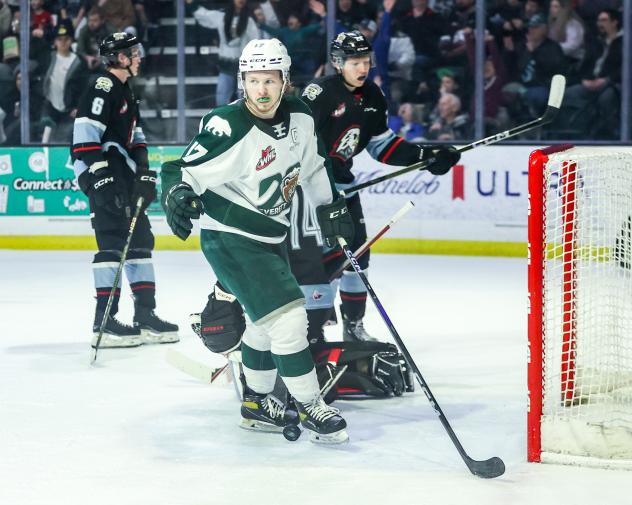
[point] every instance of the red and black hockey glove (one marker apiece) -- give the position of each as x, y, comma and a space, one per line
445, 157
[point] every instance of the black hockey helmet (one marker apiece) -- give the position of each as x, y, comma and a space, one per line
349, 45
119, 42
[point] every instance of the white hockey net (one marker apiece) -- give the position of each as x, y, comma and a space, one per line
587, 312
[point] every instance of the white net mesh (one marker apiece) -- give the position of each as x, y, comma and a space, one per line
587, 341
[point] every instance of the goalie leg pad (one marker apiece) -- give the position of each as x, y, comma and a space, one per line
375, 369
222, 323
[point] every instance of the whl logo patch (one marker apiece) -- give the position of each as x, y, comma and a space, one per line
268, 155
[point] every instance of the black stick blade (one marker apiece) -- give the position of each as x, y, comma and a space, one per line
488, 469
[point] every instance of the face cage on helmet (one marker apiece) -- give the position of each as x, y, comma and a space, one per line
111, 60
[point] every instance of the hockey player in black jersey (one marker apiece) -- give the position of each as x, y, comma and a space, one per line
350, 115
112, 168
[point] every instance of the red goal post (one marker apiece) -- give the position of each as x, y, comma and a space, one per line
580, 306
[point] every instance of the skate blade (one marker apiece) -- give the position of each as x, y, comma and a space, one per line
112, 342
152, 337
254, 425
339, 437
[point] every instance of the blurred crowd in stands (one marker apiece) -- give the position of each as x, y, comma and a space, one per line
424, 57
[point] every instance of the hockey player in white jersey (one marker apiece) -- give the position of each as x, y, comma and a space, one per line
241, 171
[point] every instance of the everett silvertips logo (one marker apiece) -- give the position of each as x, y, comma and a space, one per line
268, 155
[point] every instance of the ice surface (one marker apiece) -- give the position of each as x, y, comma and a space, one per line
134, 430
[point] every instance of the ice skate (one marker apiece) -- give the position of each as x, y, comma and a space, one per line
265, 412
353, 330
115, 334
324, 423
154, 330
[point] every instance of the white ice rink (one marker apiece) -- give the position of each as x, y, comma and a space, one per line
134, 430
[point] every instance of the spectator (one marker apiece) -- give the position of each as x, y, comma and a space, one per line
235, 30
495, 78
282, 9
269, 14
425, 28
394, 54
75, 11
533, 7
405, 125
41, 30
450, 125
5, 19
601, 86
264, 14
90, 39
119, 15
41, 19
63, 85
296, 38
348, 13
589, 9
567, 29
507, 19
452, 47
10, 42
442, 7
11, 105
538, 60
448, 84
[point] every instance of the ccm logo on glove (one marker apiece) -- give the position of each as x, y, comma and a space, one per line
103, 182
338, 213
148, 178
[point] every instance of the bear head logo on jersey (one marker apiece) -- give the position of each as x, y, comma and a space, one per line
288, 185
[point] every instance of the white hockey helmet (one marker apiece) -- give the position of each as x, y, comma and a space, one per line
264, 54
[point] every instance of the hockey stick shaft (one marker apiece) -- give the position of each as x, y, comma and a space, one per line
369, 242
556, 94
490, 468
117, 277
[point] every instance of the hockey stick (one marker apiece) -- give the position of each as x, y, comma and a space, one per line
194, 368
488, 469
199, 370
556, 94
369, 242
117, 277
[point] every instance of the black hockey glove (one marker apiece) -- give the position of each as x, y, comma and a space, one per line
445, 158
145, 186
107, 192
386, 368
335, 221
222, 323
181, 204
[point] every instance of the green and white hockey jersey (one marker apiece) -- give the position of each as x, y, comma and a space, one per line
246, 169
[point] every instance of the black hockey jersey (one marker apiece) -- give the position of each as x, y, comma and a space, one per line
107, 118
350, 121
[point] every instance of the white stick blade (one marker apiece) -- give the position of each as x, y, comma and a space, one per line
556, 95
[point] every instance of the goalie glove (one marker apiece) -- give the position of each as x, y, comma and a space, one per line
222, 322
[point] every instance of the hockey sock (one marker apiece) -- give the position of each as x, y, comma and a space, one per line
140, 274
353, 296
104, 268
258, 366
